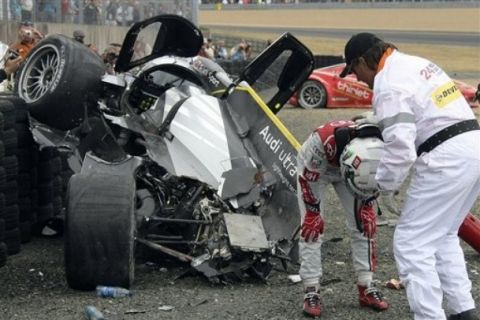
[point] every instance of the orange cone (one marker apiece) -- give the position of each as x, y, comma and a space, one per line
470, 231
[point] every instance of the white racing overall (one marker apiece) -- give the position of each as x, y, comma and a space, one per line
317, 168
414, 99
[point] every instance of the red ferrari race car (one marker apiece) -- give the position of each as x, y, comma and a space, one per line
325, 89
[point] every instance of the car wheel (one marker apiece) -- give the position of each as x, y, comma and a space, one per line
100, 230
312, 94
56, 80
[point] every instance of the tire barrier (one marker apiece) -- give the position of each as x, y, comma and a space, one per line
32, 181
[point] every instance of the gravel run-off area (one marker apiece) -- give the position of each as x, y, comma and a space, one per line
33, 285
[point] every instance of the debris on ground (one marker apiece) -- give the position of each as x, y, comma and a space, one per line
394, 284
295, 278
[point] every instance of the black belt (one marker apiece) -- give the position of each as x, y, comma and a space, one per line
447, 133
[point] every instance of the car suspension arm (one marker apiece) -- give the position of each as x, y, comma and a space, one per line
174, 253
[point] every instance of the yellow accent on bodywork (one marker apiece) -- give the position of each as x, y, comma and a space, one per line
279, 124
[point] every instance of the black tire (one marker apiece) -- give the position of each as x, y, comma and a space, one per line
27, 159
10, 163
25, 231
11, 192
57, 80
44, 212
8, 110
24, 135
47, 153
3, 254
2, 229
10, 142
3, 179
100, 230
312, 94
21, 109
45, 192
25, 209
57, 205
11, 216
13, 241
45, 172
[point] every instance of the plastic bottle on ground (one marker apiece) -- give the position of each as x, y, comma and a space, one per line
112, 292
92, 313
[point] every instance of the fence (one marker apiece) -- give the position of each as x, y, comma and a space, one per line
304, 4
97, 12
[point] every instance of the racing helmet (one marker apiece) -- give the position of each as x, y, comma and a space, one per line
358, 165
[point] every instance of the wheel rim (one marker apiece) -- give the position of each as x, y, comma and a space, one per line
39, 74
311, 96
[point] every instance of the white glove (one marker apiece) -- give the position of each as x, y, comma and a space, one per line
366, 117
386, 200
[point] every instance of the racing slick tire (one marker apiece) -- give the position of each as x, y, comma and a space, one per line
60, 77
312, 94
100, 230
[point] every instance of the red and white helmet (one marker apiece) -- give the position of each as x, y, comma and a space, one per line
358, 165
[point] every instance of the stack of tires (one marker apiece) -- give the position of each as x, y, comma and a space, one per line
27, 174
57, 80
3, 245
8, 178
50, 186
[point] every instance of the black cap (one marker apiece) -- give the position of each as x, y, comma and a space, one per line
78, 34
356, 47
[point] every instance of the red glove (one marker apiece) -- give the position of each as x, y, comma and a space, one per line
368, 218
312, 226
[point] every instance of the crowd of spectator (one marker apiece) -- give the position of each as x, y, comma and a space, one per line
262, 2
28, 36
110, 12
217, 51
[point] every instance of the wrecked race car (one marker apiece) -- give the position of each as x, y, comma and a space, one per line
170, 152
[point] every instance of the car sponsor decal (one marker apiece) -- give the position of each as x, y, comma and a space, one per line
307, 193
347, 155
310, 175
198, 64
330, 147
353, 91
445, 94
356, 162
61, 65
287, 158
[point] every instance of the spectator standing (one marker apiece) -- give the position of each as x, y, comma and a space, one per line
237, 53
91, 13
15, 10
129, 13
149, 10
65, 10
111, 12
28, 37
26, 9
120, 14
222, 51
48, 11
110, 56
248, 51
209, 49
136, 11
426, 123
11, 65
69, 10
